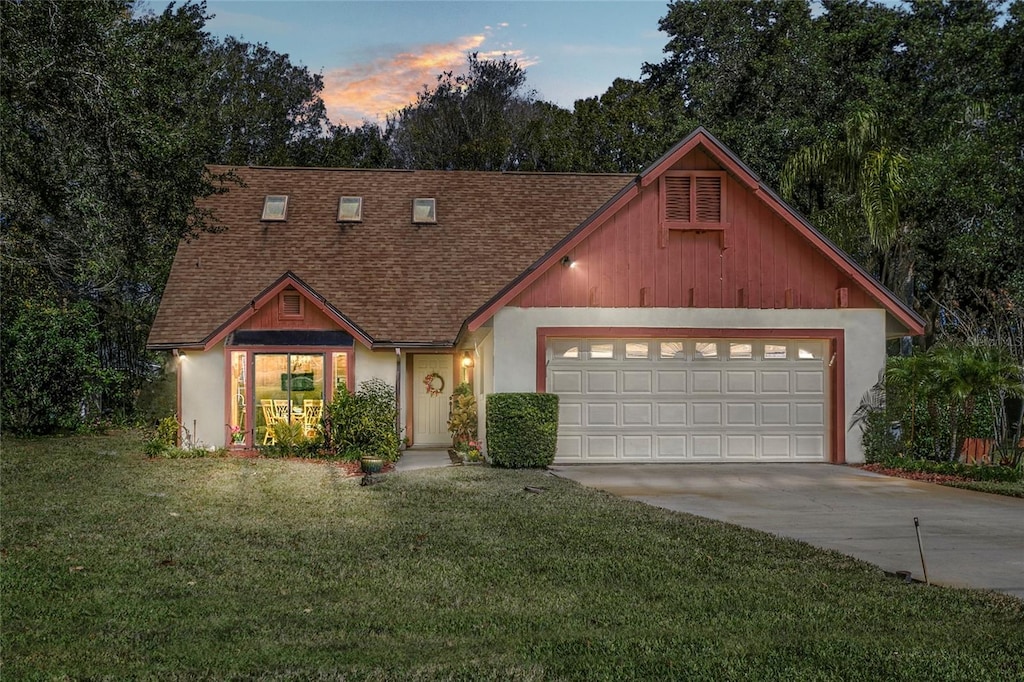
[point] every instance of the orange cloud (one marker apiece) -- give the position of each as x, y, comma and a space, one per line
372, 90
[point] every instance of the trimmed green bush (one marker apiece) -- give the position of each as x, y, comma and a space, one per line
522, 429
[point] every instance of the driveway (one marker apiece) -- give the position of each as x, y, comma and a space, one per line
970, 539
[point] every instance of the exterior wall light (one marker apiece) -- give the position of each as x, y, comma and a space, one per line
568, 262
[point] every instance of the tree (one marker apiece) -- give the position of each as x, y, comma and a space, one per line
858, 184
626, 129
484, 119
263, 107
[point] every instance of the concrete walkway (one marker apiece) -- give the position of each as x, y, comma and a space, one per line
970, 539
422, 459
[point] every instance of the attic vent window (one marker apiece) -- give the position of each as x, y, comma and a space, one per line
291, 304
275, 207
424, 211
350, 209
692, 198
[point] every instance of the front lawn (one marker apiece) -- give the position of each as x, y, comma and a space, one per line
122, 567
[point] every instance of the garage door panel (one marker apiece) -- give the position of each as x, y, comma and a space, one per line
634, 414
567, 381
601, 447
744, 446
810, 447
632, 400
570, 414
671, 414
810, 414
740, 414
738, 381
775, 414
602, 414
705, 414
634, 381
638, 446
810, 382
601, 381
569, 447
707, 446
774, 381
705, 381
775, 446
672, 446
671, 381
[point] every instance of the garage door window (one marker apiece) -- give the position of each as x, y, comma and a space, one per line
774, 351
566, 349
673, 350
602, 351
636, 350
706, 350
741, 351
809, 351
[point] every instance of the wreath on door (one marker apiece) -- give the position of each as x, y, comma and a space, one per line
429, 383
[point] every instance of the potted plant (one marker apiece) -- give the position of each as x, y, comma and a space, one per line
370, 464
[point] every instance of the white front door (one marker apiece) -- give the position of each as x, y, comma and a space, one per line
431, 399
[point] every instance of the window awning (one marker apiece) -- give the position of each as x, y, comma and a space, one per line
290, 337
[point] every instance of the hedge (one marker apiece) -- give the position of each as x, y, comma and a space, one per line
522, 429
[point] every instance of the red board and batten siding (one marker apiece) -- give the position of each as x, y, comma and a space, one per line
269, 316
621, 265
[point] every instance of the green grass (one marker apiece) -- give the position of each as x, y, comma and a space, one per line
115, 566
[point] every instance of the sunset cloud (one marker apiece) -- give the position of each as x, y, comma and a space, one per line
371, 90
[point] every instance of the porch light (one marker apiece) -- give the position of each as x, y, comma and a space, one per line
467, 361
568, 262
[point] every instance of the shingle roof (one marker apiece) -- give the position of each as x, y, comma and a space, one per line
397, 281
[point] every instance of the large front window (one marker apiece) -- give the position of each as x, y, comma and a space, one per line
289, 387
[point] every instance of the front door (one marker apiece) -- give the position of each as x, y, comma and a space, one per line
432, 389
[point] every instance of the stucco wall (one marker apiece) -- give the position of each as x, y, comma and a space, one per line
202, 395
374, 364
515, 341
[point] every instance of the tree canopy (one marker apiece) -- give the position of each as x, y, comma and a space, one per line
897, 129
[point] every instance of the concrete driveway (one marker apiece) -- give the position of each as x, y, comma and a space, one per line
970, 539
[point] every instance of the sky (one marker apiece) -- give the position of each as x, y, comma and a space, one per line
376, 55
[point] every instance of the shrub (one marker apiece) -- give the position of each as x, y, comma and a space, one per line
975, 472
522, 429
51, 369
363, 423
291, 441
462, 423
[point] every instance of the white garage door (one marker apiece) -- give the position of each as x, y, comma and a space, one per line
676, 400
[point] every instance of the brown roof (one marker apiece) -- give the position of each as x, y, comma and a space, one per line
397, 281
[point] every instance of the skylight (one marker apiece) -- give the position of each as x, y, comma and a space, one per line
350, 209
423, 211
275, 207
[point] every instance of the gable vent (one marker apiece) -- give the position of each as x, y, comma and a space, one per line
709, 200
677, 199
291, 304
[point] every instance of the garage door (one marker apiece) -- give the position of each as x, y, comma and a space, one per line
676, 400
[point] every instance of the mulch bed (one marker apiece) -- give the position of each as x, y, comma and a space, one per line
914, 475
348, 468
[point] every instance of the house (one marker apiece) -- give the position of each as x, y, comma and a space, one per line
684, 314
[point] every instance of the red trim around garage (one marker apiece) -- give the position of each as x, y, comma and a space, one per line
836, 366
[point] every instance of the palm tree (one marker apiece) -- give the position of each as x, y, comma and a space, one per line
908, 377
864, 176
967, 373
